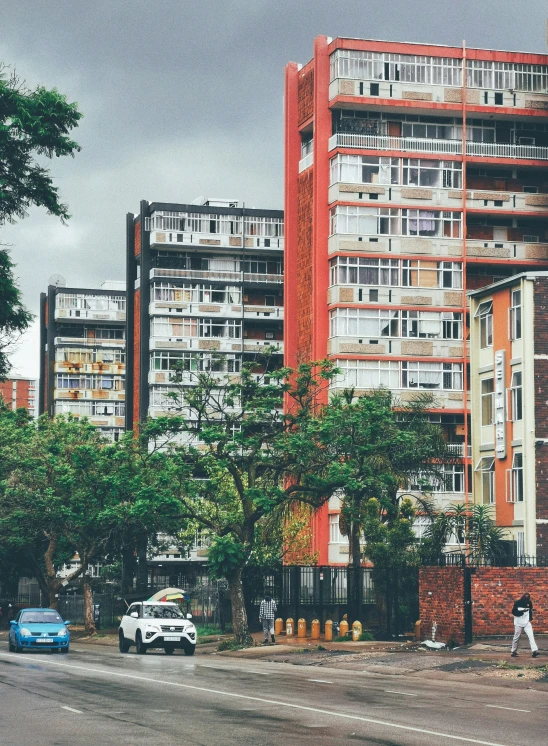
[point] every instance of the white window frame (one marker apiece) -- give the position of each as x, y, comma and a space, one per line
484, 314
486, 468
514, 479
516, 396
487, 400
515, 315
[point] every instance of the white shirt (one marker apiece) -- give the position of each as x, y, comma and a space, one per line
523, 619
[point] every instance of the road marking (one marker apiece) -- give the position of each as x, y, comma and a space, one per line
405, 694
320, 681
264, 700
500, 707
71, 709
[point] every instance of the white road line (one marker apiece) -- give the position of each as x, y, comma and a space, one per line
405, 694
264, 700
71, 709
500, 707
320, 681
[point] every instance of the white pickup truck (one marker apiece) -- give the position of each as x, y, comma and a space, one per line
156, 624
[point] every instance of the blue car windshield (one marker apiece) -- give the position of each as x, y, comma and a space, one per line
40, 617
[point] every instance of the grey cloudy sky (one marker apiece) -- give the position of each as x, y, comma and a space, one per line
185, 98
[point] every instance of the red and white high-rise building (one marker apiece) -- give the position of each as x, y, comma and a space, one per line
413, 173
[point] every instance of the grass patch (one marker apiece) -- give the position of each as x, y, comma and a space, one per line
232, 644
211, 630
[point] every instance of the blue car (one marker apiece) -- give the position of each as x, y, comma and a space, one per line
38, 629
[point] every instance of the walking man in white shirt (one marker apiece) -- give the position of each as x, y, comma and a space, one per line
267, 614
523, 616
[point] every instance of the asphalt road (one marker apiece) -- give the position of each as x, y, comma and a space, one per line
99, 697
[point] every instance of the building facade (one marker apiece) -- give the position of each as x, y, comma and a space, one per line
19, 392
83, 354
206, 292
205, 288
509, 387
413, 173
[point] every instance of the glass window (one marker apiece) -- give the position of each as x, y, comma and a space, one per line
515, 315
487, 401
486, 469
335, 536
515, 486
369, 374
516, 397
485, 314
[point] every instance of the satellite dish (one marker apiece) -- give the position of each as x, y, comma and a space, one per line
57, 280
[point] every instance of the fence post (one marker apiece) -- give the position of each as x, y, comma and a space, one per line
467, 582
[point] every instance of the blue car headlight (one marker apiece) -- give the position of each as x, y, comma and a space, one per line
63, 632
24, 632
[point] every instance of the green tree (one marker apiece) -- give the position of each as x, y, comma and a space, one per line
474, 530
33, 124
244, 458
379, 447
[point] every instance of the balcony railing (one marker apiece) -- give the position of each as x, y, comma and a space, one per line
216, 274
445, 147
306, 162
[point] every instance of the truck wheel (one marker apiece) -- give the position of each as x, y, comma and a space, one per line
190, 649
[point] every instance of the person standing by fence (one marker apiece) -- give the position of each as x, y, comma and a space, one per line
267, 615
523, 616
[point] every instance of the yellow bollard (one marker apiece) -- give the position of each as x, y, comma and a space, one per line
289, 627
343, 628
315, 629
301, 628
278, 626
418, 630
328, 630
356, 631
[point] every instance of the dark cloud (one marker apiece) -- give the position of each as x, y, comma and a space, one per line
184, 98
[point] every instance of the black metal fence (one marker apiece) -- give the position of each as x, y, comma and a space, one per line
460, 559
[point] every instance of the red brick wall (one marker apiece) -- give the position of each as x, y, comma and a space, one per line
441, 600
137, 241
494, 590
304, 267
306, 95
541, 411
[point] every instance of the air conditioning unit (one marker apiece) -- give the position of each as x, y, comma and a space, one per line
526, 140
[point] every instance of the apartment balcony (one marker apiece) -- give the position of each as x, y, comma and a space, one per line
444, 399
118, 344
460, 450
217, 276
160, 239
430, 93
102, 421
96, 394
306, 162
216, 344
441, 147
74, 314
383, 295
441, 246
411, 347
117, 369
448, 199
477, 249
215, 310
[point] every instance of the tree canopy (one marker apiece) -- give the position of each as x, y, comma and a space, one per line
34, 125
